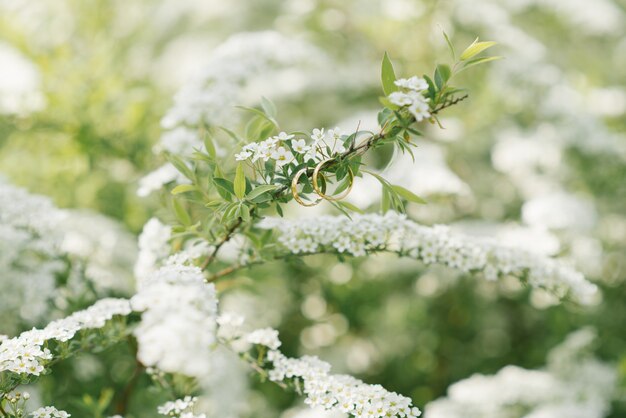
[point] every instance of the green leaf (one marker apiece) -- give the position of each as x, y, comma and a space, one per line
224, 188
442, 75
209, 145
445, 35
261, 114
408, 195
259, 190
244, 212
475, 48
180, 166
432, 91
183, 188
388, 76
268, 107
233, 135
350, 206
181, 213
478, 61
239, 186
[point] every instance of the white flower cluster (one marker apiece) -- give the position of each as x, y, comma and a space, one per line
20, 89
156, 179
395, 233
411, 96
26, 354
266, 336
574, 384
211, 97
49, 412
153, 246
284, 148
179, 308
338, 393
29, 254
244, 56
180, 408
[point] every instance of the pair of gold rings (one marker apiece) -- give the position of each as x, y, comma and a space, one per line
316, 184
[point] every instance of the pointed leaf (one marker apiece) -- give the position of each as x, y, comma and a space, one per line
408, 195
475, 49
388, 76
239, 185
183, 188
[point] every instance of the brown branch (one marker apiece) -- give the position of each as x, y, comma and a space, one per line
224, 240
122, 405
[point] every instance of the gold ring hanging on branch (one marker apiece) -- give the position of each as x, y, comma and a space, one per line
340, 196
294, 189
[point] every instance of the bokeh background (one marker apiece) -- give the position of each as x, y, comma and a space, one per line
536, 157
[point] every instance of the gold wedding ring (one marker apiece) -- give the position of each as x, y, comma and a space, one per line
316, 173
294, 189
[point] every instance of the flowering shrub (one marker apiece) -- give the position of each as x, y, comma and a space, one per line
228, 304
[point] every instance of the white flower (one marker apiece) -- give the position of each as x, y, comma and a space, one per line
400, 99
178, 307
243, 155
317, 135
393, 232
283, 136
420, 109
263, 151
266, 336
299, 146
49, 412
334, 393
282, 156
414, 83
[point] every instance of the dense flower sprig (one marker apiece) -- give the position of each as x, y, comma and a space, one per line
26, 354
337, 393
178, 307
49, 412
180, 408
573, 384
411, 97
393, 232
29, 254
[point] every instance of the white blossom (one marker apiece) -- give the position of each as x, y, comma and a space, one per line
177, 307
25, 353
395, 233
414, 83
20, 83
335, 393
573, 384
49, 412
153, 247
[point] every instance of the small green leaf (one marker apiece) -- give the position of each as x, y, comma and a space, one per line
239, 185
183, 188
442, 75
180, 165
350, 206
244, 212
445, 35
478, 61
268, 107
259, 190
432, 91
475, 48
181, 213
209, 145
408, 195
388, 76
224, 188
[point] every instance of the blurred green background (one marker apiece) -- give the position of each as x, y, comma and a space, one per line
550, 118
